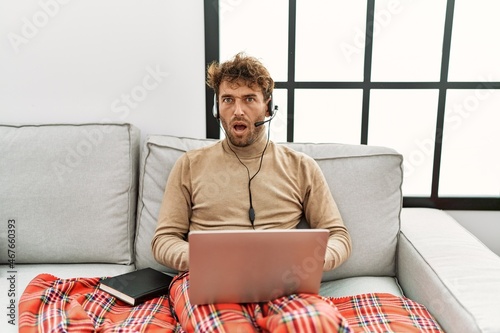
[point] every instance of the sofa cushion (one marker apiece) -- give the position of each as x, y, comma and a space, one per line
27, 272
71, 190
157, 159
361, 285
365, 182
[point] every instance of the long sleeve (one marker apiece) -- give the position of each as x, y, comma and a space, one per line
169, 243
322, 212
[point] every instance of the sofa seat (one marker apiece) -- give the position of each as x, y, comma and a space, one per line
27, 272
361, 285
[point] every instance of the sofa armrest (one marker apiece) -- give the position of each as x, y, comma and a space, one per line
444, 267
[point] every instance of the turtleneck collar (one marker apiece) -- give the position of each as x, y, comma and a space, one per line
252, 151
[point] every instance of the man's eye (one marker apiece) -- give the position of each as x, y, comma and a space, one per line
227, 100
250, 99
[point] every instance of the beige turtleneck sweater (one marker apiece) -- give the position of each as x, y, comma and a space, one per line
208, 189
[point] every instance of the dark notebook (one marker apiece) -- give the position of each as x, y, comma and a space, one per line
138, 286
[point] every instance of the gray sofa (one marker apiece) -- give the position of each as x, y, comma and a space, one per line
84, 200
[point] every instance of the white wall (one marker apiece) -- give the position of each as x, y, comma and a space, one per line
140, 62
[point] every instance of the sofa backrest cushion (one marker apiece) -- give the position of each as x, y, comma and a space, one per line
71, 190
157, 159
365, 182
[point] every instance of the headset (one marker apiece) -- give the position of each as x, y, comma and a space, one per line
271, 108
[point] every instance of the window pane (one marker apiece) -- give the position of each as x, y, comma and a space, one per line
475, 51
326, 115
406, 121
279, 123
470, 160
408, 40
259, 28
330, 40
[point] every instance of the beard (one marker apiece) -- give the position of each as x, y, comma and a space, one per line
241, 133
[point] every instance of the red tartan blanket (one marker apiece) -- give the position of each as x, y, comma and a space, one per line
50, 304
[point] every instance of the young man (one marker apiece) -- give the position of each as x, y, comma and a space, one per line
259, 185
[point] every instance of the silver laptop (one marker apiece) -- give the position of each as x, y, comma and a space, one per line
240, 266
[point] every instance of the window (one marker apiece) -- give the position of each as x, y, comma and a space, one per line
421, 77
405, 119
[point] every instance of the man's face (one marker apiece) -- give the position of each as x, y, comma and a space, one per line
239, 108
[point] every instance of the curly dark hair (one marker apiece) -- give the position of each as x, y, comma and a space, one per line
241, 68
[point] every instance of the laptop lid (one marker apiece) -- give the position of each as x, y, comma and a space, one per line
239, 266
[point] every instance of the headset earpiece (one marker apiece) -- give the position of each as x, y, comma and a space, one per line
215, 108
270, 106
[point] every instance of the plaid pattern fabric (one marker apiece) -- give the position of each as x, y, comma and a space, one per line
54, 305
294, 313
50, 304
385, 313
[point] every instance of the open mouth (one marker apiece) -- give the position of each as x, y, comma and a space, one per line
239, 128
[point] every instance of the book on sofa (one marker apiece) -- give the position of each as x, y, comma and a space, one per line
138, 286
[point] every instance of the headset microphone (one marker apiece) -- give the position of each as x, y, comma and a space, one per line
260, 123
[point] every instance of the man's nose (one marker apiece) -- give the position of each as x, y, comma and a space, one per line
238, 107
